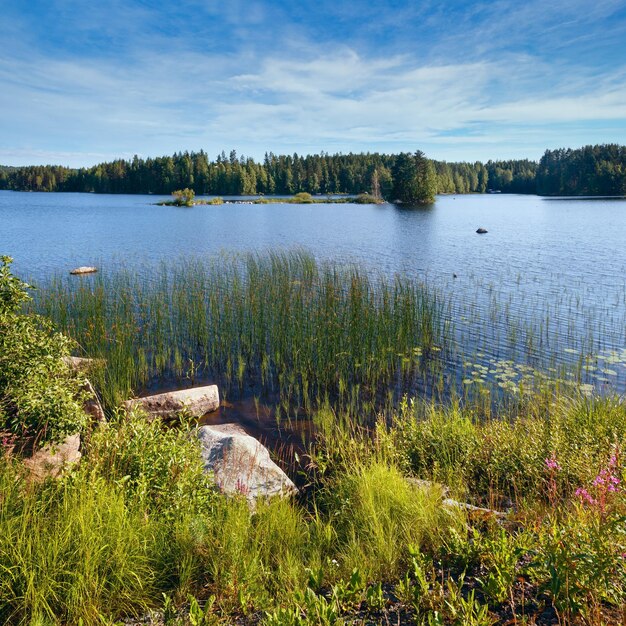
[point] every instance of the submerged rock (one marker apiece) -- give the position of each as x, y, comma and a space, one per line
84, 269
241, 464
196, 401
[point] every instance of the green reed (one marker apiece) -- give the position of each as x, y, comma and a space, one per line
281, 323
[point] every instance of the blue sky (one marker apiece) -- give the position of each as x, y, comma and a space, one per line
83, 81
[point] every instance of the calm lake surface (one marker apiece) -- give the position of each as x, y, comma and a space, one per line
546, 287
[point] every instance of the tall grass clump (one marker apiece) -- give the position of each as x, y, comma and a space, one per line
378, 515
295, 329
511, 457
71, 551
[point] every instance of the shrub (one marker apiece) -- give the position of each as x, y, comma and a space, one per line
39, 396
161, 466
183, 197
303, 198
367, 198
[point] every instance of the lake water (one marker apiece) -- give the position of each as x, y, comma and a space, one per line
546, 287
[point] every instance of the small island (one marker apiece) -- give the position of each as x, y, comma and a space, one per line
186, 197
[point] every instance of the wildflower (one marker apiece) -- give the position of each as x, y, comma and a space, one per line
585, 496
607, 480
552, 463
242, 487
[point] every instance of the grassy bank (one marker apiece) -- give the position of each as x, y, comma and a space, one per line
137, 528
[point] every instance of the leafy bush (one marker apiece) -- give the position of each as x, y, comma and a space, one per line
161, 466
183, 197
39, 396
367, 198
302, 198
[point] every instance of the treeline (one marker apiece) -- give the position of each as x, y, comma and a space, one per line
226, 175
284, 174
589, 171
592, 170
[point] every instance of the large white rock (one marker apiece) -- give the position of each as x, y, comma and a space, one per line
84, 269
241, 464
197, 401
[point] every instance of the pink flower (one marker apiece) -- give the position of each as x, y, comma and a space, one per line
552, 463
585, 496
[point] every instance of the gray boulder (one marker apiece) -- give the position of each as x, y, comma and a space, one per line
240, 464
84, 269
52, 459
197, 401
81, 366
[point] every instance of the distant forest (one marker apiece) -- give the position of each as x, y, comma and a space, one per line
591, 170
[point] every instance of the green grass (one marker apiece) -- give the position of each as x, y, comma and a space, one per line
138, 520
138, 527
73, 550
498, 459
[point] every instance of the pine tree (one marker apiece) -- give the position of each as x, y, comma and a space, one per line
414, 179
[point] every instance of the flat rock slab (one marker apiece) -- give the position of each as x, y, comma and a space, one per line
241, 464
196, 401
471, 509
84, 269
52, 459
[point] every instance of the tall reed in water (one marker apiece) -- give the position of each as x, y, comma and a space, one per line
304, 331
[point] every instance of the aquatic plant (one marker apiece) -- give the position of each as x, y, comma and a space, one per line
280, 323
